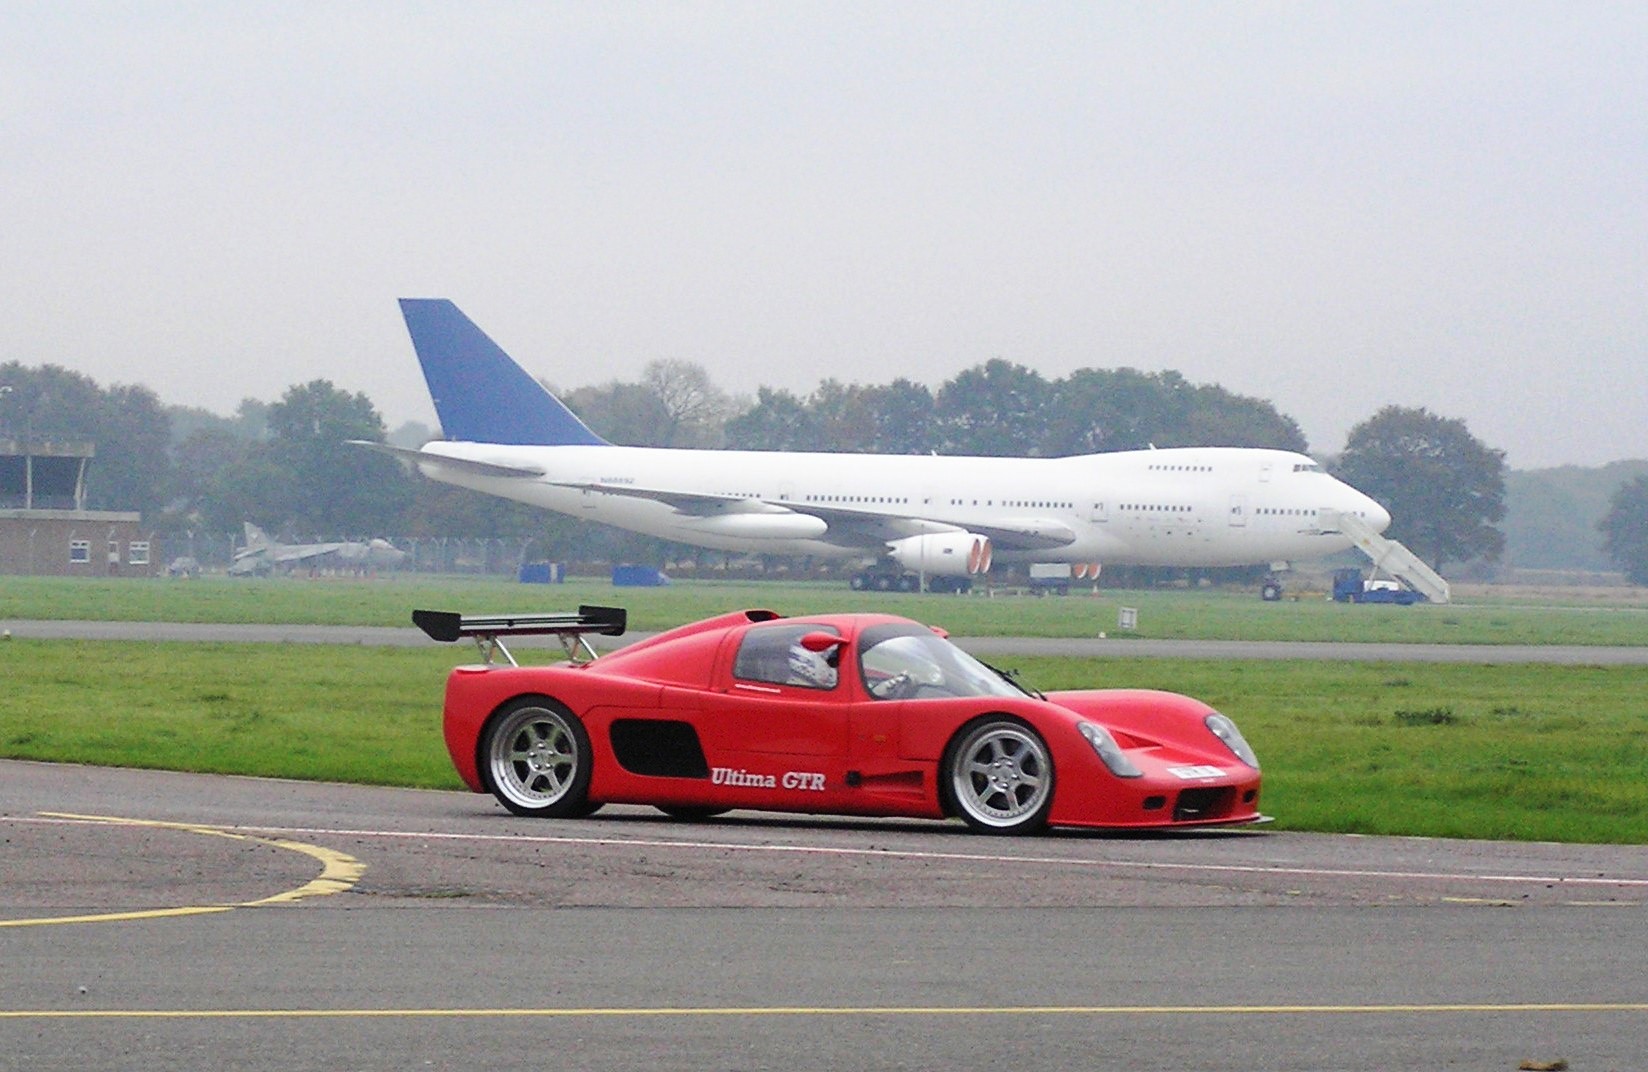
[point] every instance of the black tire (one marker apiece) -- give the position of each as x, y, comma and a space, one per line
535, 758
997, 775
690, 813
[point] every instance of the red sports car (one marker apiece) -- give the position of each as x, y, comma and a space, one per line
845, 714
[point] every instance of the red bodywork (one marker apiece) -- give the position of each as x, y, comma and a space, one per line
778, 747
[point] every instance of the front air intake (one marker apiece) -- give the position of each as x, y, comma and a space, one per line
1200, 805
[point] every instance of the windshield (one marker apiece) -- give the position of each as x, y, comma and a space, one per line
903, 661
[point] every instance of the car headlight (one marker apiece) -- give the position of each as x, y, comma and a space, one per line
1224, 729
1109, 751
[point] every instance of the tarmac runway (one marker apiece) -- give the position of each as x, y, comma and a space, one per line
159, 920
1089, 647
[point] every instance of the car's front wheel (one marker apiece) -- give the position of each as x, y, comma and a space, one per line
998, 776
536, 759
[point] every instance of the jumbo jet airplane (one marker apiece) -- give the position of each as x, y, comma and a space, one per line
943, 517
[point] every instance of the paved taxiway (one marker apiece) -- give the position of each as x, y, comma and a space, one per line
1090, 647
256, 923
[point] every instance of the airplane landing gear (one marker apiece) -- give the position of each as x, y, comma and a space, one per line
880, 580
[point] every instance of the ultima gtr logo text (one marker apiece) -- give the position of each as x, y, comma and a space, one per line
808, 780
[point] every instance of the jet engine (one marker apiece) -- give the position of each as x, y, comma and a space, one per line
946, 554
757, 526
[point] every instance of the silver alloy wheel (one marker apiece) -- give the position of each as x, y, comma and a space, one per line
533, 756
1001, 778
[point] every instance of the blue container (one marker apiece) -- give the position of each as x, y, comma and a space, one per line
631, 576
543, 573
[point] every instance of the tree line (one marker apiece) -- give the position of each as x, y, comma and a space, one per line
286, 465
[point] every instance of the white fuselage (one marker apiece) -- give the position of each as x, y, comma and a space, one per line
1190, 506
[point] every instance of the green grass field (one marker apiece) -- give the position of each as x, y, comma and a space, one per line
1210, 614
348, 714
1524, 752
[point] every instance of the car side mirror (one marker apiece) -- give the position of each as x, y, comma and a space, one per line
822, 642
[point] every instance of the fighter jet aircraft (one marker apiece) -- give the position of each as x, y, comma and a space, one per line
261, 555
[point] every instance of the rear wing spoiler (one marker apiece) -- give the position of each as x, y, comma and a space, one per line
572, 629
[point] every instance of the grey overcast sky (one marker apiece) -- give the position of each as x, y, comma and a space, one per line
1333, 206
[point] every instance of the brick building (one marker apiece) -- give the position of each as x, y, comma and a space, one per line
45, 528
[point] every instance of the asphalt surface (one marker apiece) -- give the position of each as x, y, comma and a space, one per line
229, 922
249, 923
1093, 647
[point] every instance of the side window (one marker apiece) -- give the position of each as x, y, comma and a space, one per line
774, 654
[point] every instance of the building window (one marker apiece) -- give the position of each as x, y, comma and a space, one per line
80, 550
137, 552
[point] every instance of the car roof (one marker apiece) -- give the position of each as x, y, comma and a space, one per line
686, 653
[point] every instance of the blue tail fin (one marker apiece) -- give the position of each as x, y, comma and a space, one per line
481, 395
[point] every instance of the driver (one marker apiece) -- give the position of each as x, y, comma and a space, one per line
810, 669
903, 668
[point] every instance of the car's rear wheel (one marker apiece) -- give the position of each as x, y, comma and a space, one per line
536, 759
690, 812
998, 776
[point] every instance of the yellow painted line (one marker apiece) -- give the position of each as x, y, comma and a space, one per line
119, 917
339, 872
827, 1011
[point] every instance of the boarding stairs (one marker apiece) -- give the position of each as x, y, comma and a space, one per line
1395, 559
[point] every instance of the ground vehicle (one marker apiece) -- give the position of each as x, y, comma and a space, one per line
1350, 587
1056, 577
851, 714
1051, 577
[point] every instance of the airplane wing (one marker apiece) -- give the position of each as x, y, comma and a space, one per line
1027, 533
688, 502
1012, 533
848, 526
443, 461
299, 552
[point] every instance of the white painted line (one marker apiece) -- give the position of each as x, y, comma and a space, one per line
1449, 1009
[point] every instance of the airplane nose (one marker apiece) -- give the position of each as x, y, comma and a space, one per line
1363, 506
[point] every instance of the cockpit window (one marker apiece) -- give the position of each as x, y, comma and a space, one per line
774, 654
901, 661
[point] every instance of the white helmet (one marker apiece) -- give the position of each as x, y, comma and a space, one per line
810, 668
